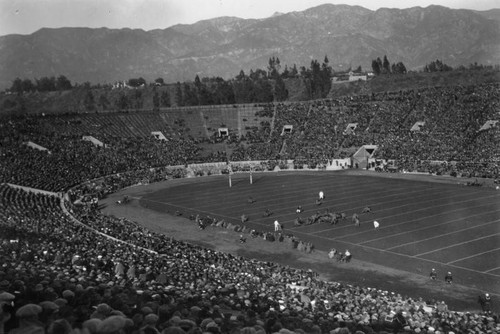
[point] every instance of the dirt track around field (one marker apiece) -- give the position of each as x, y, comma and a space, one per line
458, 297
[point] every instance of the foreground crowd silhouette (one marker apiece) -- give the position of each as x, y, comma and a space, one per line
100, 274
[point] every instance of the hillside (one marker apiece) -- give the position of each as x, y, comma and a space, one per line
83, 100
349, 35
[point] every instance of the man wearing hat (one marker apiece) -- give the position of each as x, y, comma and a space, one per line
112, 325
6, 306
28, 319
150, 321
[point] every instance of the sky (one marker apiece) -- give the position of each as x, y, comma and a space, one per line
27, 16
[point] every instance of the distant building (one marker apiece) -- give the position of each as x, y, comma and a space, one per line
349, 77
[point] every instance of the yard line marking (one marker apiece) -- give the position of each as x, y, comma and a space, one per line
336, 196
457, 244
349, 243
183, 207
291, 213
295, 228
444, 234
487, 271
407, 221
404, 223
477, 254
344, 191
405, 255
255, 221
391, 194
260, 220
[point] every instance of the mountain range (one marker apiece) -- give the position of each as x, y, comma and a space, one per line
349, 35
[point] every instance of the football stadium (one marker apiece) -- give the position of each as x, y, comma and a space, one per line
115, 222
246, 167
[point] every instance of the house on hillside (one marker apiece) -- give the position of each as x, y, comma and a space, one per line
350, 76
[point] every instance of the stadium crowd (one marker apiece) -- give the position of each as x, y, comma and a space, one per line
452, 116
448, 143
82, 272
113, 276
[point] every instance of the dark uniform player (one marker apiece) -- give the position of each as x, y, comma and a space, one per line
433, 274
355, 219
448, 278
485, 302
267, 213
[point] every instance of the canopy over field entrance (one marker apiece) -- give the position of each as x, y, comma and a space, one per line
360, 158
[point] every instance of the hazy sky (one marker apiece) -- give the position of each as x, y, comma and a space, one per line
27, 16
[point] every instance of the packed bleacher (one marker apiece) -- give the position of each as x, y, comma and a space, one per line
99, 274
452, 116
110, 275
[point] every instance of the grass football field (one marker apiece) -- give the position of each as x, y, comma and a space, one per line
423, 225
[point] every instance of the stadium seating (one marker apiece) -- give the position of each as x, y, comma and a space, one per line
72, 269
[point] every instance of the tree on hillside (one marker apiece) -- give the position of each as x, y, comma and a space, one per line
222, 91
28, 85
326, 77
243, 88
17, 86
136, 82
156, 100
240, 76
377, 66
257, 74
280, 91
399, 68
263, 91
437, 66
46, 84
159, 82
103, 102
286, 73
197, 81
122, 102
179, 98
204, 93
138, 100
273, 67
190, 98
386, 65
88, 100
63, 83
165, 99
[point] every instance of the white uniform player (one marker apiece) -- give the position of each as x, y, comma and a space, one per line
277, 225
